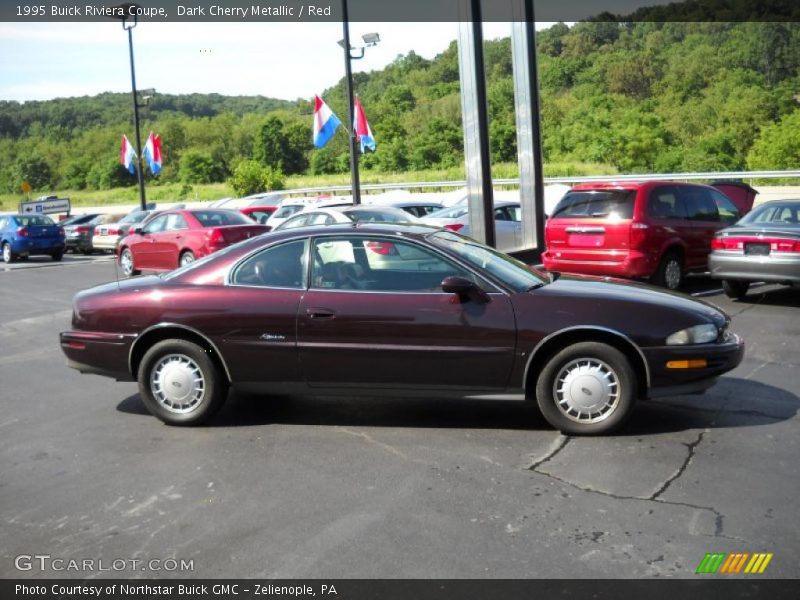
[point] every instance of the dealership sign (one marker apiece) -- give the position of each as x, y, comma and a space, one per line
45, 206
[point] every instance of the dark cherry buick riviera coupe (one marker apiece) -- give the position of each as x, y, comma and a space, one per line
395, 309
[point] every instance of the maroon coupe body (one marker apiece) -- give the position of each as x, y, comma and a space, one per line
387, 309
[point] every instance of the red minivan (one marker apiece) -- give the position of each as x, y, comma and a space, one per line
652, 230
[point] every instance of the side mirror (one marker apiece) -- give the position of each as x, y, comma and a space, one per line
465, 289
138, 231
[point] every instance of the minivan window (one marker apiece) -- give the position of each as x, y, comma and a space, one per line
615, 204
665, 203
699, 204
727, 210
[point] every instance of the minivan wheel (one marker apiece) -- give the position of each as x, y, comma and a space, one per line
179, 383
587, 388
735, 288
670, 272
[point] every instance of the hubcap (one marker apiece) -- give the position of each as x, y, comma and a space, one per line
672, 274
6, 252
126, 262
586, 390
186, 259
177, 383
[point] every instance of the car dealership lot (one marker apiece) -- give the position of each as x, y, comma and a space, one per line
332, 487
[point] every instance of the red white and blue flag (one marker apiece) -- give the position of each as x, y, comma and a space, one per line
127, 155
325, 122
152, 153
361, 127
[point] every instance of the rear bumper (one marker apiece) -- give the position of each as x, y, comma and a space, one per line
617, 263
720, 358
37, 246
79, 243
774, 268
98, 353
105, 242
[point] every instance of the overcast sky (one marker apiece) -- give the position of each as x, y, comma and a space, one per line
39, 61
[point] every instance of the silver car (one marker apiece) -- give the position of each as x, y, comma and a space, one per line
762, 246
507, 222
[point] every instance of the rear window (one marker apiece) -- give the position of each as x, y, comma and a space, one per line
287, 211
386, 216
617, 204
218, 218
36, 221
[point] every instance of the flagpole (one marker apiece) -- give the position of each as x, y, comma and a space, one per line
139, 173
349, 86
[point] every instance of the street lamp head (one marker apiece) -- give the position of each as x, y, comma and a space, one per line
125, 11
371, 39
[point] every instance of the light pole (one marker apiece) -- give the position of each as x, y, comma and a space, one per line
370, 39
126, 13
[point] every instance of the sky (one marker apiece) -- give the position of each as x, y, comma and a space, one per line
40, 61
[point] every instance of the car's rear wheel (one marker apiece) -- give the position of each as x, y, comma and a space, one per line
735, 288
186, 258
58, 255
8, 255
180, 384
670, 271
126, 263
86, 251
588, 388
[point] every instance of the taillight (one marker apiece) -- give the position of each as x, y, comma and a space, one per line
215, 237
22, 232
113, 231
83, 229
382, 248
97, 230
738, 243
638, 234
454, 226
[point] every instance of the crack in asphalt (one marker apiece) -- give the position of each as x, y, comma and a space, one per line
719, 518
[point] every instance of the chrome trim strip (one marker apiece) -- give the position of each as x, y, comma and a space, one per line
577, 229
177, 326
549, 337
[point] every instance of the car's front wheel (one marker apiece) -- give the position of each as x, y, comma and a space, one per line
735, 288
126, 263
180, 384
588, 388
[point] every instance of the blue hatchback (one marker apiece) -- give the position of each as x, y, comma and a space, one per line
24, 235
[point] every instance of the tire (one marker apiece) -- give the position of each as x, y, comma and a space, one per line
186, 258
735, 288
168, 370
86, 251
126, 263
8, 255
58, 255
670, 272
595, 369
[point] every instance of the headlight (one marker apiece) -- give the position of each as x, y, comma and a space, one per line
699, 334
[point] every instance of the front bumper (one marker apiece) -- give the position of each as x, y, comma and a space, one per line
98, 353
720, 357
774, 268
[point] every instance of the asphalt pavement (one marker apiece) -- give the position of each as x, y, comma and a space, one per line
320, 487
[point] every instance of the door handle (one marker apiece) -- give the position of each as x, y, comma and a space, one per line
320, 313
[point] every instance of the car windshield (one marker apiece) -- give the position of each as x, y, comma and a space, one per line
617, 204
76, 220
219, 218
452, 212
513, 273
134, 217
783, 214
365, 215
284, 212
35, 221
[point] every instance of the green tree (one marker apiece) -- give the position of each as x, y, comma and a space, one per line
778, 145
34, 169
250, 177
200, 167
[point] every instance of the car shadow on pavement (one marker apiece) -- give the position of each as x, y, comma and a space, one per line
736, 403
773, 296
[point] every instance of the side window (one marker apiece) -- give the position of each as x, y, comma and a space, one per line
699, 204
3, 224
501, 214
156, 225
319, 219
175, 221
298, 221
727, 210
380, 265
664, 203
281, 266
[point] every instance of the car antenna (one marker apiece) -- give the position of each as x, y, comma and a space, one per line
116, 270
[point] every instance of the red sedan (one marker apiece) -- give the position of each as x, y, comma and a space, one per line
178, 237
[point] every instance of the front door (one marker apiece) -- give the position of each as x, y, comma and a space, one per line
375, 316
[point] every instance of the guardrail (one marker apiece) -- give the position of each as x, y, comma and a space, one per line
708, 176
